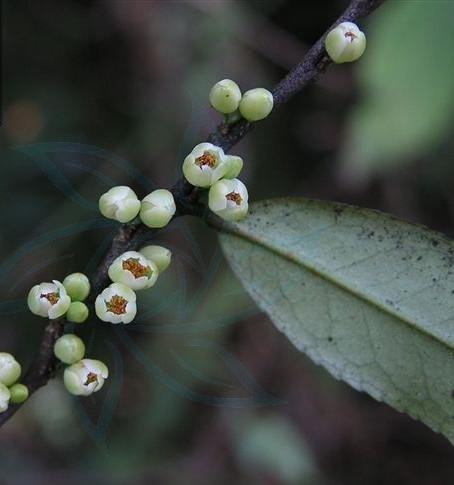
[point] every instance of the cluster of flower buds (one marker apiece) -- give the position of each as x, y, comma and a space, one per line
345, 43
121, 204
54, 300
207, 166
254, 105
82, 377
10, 390
130, 272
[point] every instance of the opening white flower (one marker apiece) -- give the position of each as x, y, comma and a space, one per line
345, 43
85, 377
48, 300
119, 203
10, 369
5, 396
116, 304
134, 270
157, 208
229, 199
205, 165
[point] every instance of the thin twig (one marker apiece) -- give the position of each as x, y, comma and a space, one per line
133, 236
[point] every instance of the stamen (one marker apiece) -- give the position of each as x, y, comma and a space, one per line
206, 159
91, 377
133, 265
234, 197
117, 305
52, 298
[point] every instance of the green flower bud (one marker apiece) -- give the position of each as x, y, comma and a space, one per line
77, 312
116, 304
77, 285
85, 377
229, 199
69, 349
256, 104
19, 393
119, 203
134, 270
345, 43
225, 96
157, 208
235, 165
160, 256
5, 396
48, 300
205, 165
10, 369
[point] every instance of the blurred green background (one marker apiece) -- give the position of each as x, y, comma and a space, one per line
203, 388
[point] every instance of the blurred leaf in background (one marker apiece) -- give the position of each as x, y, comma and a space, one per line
269, 445
406, 81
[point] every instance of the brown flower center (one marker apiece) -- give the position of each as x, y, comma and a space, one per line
52, 298
117, 305
206, 159
233, 196
91, 377
351, 35
133, 265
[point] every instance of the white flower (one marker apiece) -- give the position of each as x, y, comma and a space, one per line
160, 256
48, 300
229, 199
10, 369
134, 270
5, 396
345, 43
157, 208
116, 304
119, 203
205, 165
85, 377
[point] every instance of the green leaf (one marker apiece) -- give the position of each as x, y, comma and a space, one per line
369, 297
405, 77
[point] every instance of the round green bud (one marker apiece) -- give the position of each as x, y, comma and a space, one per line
225, 96
77, 286
229, 199
69, 349
157, 208
256, 104
119, 203
160, 256
77, 312
345, 43
10, 369
85, 377
19, 393
4, 397
235, 165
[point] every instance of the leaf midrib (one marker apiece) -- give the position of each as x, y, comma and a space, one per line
237, 230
